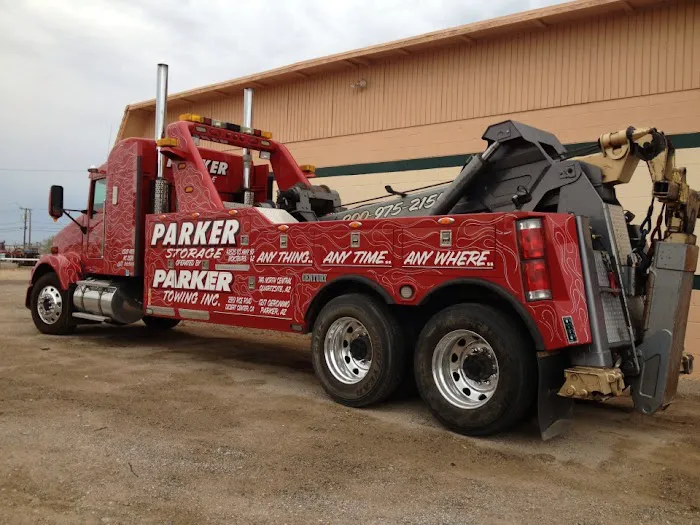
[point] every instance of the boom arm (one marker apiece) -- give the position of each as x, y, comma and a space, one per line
620, 153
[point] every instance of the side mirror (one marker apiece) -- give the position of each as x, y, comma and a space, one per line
56, 202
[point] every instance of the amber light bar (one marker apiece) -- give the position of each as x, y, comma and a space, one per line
191, 117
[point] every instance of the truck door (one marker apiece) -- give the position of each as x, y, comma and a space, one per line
95, 238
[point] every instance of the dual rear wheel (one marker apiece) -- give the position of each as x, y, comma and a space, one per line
358, 350
473, 365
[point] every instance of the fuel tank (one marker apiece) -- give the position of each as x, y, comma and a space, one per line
116, 300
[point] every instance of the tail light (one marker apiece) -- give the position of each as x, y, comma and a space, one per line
532, 255
536, 280
531, 238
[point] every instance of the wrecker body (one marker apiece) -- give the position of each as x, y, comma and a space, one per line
522, 283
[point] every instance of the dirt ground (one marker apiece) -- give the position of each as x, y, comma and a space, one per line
216, 425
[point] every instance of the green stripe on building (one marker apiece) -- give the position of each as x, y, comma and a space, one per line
682, 141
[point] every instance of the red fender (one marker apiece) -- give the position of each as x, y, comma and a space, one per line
67, 267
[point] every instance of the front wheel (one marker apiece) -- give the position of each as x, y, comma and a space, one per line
357, 350
476, 369
50, 306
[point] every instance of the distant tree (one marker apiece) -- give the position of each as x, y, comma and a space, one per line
45, 245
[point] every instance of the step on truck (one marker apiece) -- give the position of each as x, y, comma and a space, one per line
515, 289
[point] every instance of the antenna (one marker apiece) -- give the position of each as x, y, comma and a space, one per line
109, 140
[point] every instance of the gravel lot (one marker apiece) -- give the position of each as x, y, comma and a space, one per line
218, 425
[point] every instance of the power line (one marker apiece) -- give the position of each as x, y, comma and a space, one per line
42, 170
40, 228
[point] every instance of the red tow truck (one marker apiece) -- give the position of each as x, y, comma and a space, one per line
522, 284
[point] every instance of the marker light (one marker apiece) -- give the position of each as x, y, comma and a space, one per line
167, 142
191, 117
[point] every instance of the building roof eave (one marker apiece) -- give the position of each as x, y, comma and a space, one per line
542, 19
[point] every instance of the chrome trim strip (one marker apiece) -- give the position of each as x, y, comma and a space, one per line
202, 315
160, 310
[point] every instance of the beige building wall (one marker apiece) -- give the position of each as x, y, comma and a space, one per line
649, 51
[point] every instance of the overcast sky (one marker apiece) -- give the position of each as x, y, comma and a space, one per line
68, 69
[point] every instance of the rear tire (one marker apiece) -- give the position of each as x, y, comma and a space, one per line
357, 350
476, 369
51, 306
160, 323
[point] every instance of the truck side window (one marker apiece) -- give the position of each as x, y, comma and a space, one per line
99, 195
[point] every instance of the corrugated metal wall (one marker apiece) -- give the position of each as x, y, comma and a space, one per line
646, 52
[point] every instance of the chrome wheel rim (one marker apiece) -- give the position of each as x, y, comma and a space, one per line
347, 349
465, 369
49, 304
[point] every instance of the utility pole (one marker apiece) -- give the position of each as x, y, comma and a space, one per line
27, 226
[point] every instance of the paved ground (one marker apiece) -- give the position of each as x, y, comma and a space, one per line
216, 425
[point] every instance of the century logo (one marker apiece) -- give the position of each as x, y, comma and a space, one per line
221, 232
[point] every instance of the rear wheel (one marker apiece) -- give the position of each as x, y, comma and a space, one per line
476, 369
50, 306
160, 323
357, 350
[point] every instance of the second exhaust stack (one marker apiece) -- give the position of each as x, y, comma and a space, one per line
247, 159
161, 190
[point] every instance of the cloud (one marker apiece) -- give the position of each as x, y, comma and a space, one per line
69, 68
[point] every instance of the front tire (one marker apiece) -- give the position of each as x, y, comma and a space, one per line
357, 350
475, 368
51, 306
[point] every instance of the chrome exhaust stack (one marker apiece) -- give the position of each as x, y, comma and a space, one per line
248, 197
161, 189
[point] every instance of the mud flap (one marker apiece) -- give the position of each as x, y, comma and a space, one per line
555, 414
649, 387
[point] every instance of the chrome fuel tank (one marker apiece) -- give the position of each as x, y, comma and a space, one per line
112, 299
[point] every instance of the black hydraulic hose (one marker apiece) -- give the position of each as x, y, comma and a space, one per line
389, 194
455, 192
